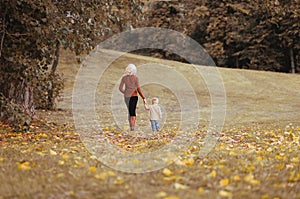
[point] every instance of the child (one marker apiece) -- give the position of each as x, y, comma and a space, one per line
155, 114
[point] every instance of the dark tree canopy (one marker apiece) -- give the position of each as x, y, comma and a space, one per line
258, 34
31, 34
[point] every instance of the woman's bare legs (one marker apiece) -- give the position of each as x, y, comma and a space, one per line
132, 122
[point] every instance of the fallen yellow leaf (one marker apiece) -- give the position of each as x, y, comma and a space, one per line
224, 182
251, 168
60, 175
92, 169
225, 194
265, 196
200, 190
295, 160
171, 197
281, 166
188, 162
136, 161
294, 177
180, 186
127, 186
161, 194
119, 181
250, 179
258, 158
236, 178
167, 172
39, 148
269, 149
169, 180
24, 166
111, 173
44, 135
101, 176
105, 128
213, 173
255, 182
52, 152
279, 157
61, 162
65, 156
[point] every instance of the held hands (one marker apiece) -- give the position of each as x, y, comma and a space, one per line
145, 101
145, 104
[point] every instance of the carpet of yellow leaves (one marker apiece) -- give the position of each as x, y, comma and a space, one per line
247, 162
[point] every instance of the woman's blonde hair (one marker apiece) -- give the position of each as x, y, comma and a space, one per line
130, 69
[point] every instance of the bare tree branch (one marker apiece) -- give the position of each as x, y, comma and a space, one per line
17, 34
1, 45
4, 31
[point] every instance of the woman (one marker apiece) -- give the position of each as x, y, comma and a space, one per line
131, 91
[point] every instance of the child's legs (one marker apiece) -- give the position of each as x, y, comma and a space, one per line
157, 125
153, 125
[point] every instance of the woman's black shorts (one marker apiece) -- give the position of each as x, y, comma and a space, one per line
131, 103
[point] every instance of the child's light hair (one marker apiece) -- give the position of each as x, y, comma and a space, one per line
155, 99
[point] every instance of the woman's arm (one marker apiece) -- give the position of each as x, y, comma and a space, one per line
121, 86
146, 106
140, 92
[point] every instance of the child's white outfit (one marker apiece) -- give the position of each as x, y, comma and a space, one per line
155, 114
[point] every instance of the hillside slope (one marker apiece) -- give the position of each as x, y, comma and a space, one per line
251, 96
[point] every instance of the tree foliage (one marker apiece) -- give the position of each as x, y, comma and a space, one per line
260, 34
31, 34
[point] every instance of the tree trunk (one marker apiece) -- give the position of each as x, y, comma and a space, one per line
53, 69
22, 94
17, 103
237, 62
292, 61
55, 62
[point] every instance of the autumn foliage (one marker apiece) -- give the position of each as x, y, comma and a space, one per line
260, 35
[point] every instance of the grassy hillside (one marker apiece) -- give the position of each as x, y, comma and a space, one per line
251, 96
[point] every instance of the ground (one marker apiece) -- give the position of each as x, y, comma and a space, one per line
256, 154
